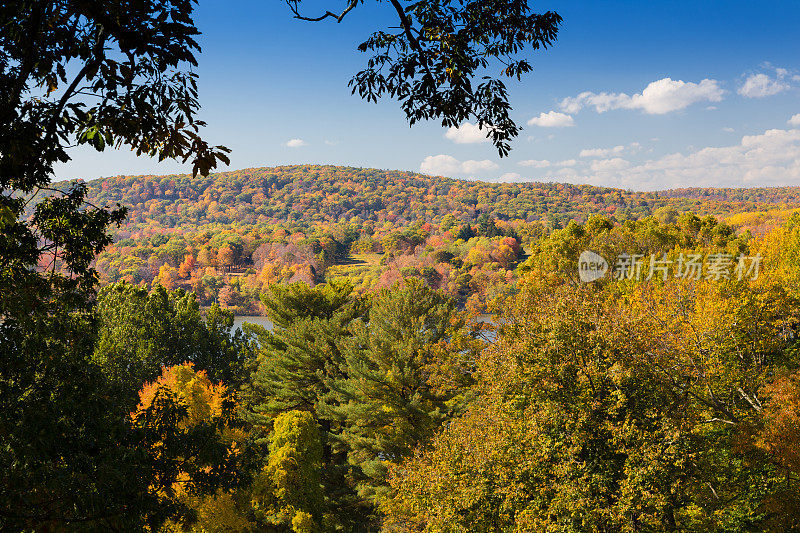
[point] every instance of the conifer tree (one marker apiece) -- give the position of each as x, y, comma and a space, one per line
407, 371
302, 353
296, 363
140, 332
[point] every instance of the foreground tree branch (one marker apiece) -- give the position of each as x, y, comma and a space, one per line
439, 67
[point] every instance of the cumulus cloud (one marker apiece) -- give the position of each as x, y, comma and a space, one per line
659, 97
295, 143
535, 163
608, 152
552, 119
510, 176
544, 163
476, 167
769, 159
447, 165
610, 165
601, 152
761, 85
467, 133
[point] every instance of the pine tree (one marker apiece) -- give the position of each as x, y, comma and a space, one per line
296, 363
140, 332
407, 372
302, 353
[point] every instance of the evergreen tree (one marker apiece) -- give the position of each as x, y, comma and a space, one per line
407, 371
295, 365
140, 332
301, 354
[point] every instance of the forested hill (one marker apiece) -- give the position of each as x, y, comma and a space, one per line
328, 194
310, 194
229, 236
789, 196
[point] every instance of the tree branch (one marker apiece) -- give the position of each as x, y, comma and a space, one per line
754, 403
293, 6
411, 38
70, 92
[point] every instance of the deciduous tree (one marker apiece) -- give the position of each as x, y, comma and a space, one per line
431, 60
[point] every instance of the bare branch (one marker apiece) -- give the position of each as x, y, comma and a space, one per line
715, 419
293, 6
754, 403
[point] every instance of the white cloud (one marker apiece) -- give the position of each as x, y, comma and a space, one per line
510, 176
602, 102
552, 119
295, 143
610, 165
331, 143
761, 85
608, 152
476, 167
467, 133
659, 97
769, 159
601, 152
728, 130
544, 163
447, 165
536, 163
444, 165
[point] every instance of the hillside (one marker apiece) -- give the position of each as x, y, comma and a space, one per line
754, 197
310, 194
230, 235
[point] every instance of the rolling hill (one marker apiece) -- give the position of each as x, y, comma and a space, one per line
231, 234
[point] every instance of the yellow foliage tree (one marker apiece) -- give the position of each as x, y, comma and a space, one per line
203, 405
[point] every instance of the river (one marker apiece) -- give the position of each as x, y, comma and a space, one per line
264, 321
259, 320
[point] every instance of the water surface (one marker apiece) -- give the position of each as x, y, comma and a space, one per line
259, 320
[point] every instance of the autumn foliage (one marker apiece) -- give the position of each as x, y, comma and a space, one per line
382, 396
229, 236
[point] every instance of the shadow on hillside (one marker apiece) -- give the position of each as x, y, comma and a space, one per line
350, 260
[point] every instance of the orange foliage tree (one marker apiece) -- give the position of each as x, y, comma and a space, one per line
190, 427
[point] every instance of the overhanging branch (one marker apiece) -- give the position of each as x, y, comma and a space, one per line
293, 6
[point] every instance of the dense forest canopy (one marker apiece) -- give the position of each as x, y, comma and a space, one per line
310, 194
377, 401
230, 235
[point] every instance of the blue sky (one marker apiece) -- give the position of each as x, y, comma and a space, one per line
636, 94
